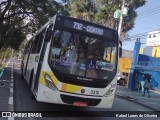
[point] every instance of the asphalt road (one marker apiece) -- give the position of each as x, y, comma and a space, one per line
23, 102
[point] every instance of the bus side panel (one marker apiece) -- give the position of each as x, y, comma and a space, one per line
34, 67
46, 95
30, 66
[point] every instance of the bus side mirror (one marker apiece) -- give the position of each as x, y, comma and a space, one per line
120, 48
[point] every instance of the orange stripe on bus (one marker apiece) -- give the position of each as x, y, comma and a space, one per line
64, 87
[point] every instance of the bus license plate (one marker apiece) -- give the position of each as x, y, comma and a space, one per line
80, 104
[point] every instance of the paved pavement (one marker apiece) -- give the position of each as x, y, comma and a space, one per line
136, 96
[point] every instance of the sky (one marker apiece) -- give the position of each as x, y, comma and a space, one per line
148, 20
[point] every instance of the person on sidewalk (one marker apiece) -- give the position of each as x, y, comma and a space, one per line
146, 85
140, 77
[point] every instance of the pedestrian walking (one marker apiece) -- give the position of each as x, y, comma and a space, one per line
140, 79
146, 85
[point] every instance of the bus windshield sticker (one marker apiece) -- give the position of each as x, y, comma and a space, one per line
66, 63
84, 27
82, 66
91, 64
104, 66
56, 51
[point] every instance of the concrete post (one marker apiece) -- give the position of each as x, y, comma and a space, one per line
132, 80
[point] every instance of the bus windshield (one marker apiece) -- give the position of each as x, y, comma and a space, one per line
82, 56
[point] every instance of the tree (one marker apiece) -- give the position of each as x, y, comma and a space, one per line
21, 17
102, 11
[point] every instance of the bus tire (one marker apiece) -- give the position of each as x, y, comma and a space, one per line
22, 77
30, 86
30, 79
32, 96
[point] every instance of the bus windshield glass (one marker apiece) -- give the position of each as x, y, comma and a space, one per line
82, 56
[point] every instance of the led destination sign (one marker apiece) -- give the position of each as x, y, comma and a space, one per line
88, 28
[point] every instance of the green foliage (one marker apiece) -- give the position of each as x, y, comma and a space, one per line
102, 11
5, 56
21, 17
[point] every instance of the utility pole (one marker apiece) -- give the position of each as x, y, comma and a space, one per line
121, 19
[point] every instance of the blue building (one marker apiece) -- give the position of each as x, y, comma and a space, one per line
144, 64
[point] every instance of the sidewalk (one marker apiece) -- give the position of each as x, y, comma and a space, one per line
135, 96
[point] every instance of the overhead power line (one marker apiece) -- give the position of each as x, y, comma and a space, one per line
149, 27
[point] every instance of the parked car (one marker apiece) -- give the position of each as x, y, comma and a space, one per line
122, 78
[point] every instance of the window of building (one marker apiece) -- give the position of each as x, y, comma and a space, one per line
149, 36
154, 35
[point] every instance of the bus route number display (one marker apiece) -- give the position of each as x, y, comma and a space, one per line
87, 28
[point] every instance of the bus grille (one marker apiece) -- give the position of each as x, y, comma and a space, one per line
71, 99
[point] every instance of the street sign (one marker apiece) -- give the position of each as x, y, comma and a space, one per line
117, 14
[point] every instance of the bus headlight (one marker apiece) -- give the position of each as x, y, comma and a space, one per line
49, 82
110, 91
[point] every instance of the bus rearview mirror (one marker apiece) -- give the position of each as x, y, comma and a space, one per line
120, 52
120, 48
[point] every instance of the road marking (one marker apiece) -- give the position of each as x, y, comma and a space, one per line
10, 101
11, 90
11, 84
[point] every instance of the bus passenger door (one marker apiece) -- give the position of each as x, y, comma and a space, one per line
35, 58
46, 38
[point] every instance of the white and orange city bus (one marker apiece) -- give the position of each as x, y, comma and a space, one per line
73, 62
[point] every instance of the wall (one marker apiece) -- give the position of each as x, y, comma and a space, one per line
152, 66
124, 64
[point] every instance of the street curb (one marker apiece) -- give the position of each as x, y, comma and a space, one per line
137, 101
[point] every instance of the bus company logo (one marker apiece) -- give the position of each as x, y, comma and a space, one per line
80, 78
82, 90
6, 114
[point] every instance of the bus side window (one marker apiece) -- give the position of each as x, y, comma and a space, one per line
37, 43
40, 41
